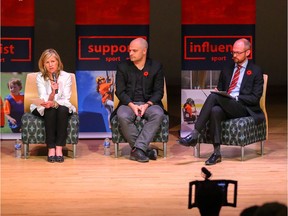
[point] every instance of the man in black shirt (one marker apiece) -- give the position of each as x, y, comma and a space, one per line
140, 88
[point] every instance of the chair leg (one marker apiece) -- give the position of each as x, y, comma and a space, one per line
164, 149
262, 147
116, 146
242, 153
197, 150
26, 150
74, 147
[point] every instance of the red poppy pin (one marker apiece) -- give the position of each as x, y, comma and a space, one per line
249, 72
146, 73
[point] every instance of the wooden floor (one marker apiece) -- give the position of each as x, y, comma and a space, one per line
94, 184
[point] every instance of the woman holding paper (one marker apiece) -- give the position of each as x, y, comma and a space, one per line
54, 89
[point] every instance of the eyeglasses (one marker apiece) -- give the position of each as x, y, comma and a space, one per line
238, 53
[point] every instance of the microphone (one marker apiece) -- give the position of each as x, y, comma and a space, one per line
55, 80
206, 172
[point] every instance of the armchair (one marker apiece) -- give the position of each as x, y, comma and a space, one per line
240, 131
161, 135
33, 130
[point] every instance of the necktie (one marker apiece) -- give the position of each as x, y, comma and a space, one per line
234, 79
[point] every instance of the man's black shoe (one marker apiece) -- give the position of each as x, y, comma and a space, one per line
190, 140
152, 154
138, 155
213, 159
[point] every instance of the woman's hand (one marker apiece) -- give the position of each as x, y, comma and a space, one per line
48, 104
54, 86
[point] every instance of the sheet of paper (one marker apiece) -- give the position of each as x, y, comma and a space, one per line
223, 93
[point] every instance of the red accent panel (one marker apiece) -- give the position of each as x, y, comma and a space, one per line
17, 13
29, 40
103, 12
218, 12
99, 38
248, 37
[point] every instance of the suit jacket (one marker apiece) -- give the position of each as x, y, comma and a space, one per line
64, 91
153, 83
251, 88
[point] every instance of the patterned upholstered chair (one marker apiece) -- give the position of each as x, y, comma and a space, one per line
161, 135
33, 130
240, 131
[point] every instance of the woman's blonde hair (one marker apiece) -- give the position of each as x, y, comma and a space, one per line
45, 55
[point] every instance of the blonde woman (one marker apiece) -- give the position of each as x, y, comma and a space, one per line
54, 89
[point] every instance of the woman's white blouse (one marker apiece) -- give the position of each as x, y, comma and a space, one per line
64, 91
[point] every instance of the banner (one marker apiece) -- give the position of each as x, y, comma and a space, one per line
103, 36
16, 49
209, 29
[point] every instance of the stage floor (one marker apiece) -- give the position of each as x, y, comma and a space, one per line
94, 184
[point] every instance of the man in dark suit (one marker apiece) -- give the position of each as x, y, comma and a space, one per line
243, 81
140, 88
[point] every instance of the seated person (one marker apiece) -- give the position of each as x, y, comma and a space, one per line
54, 88
140, 88
243, 81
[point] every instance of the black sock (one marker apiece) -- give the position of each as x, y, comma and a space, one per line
217, 148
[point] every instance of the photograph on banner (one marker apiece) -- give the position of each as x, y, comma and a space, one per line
196, 85
12, 101
95, 99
